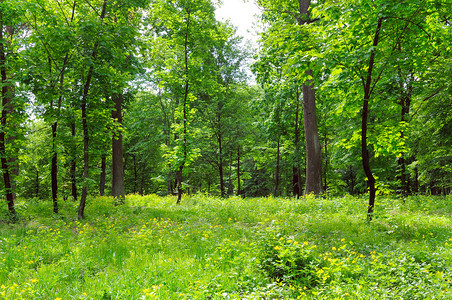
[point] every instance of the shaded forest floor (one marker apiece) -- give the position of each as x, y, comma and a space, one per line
208, 248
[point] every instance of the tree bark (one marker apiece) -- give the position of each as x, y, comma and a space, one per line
405, 103
73, 166
367, 83
325, 171
37, 183
239, 188
10, 194
179, 172
54, 168
103, 166
220, 161
313, 148
296, 180
81, 210
118, 188
278, 157
313, 184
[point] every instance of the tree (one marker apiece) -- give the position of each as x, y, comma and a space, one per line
288, 18
391, 33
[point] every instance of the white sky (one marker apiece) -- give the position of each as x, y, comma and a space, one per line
241, 14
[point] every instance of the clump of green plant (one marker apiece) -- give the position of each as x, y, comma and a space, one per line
284, 259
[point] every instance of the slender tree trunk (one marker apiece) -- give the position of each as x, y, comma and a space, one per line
118, 188
220, 164
239, 188
54, 168
10, 195
405, 103
103, 167
365, 112
141, 190
37, 183
81, 210
296, 181
325, 172
73, 165
179, 172
416, 180
230, 190
135, 174
278, 156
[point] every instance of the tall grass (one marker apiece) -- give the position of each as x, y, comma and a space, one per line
211, 248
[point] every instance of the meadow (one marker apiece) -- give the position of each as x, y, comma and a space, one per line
212, 248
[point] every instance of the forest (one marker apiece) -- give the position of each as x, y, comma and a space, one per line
119, 97
149, 152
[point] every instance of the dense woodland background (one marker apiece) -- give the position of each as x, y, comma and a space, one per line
134, 96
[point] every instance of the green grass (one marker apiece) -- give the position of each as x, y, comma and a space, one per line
209, 248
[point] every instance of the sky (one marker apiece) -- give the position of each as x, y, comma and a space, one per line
241, 14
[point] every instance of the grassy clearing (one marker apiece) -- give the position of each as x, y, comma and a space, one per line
208, 248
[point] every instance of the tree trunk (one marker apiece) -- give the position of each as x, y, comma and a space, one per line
179, 172
405, 103
118, 188
220, 165
81, 210
325, 171
296, 181
73, 166
10, 195
103, 166
313, 149
278, 156
365, 112
230, 190
37, 183
54, 168
141, 189
135, 174
239, 188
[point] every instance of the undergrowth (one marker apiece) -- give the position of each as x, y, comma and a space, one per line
210, 248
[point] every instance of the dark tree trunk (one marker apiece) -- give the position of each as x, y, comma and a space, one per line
143, 176
54, 169
37, 183
10, 195
81, 210
118, 188
405, 103
416, 180
179, 172
239, 188
367, 83
103, 167
278, 157
135, 174
73, 166
220, 164
230, 184
179, 184
296, 180
325, 184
